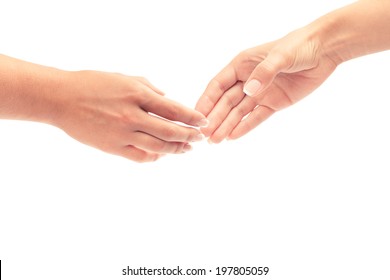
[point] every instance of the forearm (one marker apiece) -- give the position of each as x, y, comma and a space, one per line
29, 91
356, 30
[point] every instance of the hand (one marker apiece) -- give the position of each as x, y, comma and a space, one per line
274, 76
126, 116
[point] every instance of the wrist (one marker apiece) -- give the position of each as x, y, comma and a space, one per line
48, 96
355, 30
333, 39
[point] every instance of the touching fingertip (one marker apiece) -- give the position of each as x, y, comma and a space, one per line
199, 137
187, 148
203, 122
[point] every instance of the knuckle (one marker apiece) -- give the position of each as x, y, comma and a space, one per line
142, 158
276, 59
267, 67
142, 79
129, 120
248, 58
172, 113
159, 146
134, 154
243, 55
170, 133
229, 101
137, 93
239, 111
131, 95
218, 85
192, 135
177, 148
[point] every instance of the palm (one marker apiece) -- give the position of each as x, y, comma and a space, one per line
289, 87
232, 114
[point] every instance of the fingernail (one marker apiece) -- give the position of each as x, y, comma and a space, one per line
199, 137
187, 148
252, 87
210, 141
203, 123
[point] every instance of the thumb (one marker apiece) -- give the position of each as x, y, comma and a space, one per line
264, 73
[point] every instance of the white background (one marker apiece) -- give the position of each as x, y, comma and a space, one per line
306, 193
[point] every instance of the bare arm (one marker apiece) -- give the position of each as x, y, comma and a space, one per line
265, 79
29, 91
111, 112
359, 29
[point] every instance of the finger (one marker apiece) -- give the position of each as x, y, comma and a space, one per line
138, 155
227, 102
150, 85
216, 88
233, 119
264, 73
156, 145
168, 131
174, 111
256, 117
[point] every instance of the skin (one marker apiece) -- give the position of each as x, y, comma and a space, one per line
288, 69
121, 115
128, 116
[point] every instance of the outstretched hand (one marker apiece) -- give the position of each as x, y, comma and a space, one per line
126, 116
261, 81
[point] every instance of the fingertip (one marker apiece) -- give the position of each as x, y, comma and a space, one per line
187, 148
253, 87
215, 139
233, 136
200, 137
197, 118
204, 132
203, 123
149, 157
